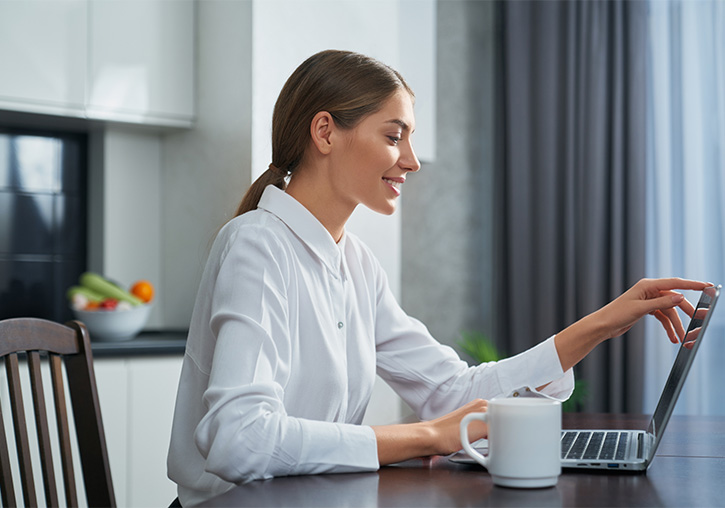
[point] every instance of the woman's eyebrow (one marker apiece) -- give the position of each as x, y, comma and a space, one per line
401, 123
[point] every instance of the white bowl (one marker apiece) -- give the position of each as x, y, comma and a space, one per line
114, 325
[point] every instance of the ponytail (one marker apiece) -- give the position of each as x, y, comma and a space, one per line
272, 176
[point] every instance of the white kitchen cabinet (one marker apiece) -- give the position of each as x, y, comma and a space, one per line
43, 57
111, 60
112, 384
141, 61
137, 396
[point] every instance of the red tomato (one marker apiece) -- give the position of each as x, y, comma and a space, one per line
108, 304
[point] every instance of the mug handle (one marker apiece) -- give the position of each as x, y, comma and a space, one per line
464, 437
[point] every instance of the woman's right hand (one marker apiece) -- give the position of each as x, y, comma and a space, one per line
447, 428
441, 436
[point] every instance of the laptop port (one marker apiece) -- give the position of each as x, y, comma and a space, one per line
613, 465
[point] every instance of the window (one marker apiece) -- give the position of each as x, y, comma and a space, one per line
42, 221
686, 183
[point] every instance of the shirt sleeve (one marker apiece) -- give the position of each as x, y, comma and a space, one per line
432, 378
246, 433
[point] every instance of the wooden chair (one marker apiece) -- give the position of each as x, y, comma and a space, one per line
69, 344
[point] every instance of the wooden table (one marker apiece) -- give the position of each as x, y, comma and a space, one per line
689, 470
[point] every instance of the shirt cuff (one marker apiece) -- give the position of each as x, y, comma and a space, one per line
539, 366
338, 448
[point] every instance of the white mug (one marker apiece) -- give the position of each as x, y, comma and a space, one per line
523, 441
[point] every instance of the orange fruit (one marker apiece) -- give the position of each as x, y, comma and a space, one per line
143, 290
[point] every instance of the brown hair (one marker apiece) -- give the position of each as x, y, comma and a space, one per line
347, 85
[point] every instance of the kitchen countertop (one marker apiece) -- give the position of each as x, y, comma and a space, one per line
171, 342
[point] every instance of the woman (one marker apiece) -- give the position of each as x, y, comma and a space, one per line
294, 316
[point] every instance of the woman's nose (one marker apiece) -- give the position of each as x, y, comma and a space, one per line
409, 161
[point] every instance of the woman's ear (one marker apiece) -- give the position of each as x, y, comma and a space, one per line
321, 129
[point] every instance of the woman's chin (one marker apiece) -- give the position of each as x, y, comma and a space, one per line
388, 209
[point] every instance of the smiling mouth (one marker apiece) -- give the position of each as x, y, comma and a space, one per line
393, 183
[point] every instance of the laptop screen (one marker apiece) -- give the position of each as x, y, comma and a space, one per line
683, 362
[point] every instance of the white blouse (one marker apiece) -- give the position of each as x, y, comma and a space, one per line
287, 334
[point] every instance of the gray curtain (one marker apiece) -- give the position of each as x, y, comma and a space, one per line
571, 189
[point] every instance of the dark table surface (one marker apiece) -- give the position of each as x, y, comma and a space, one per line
171, 342
689, 470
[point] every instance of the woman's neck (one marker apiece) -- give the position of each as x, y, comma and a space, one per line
316, 194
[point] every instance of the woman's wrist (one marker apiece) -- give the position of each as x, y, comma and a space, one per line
397, 443
429, 437
579, 339
596, 326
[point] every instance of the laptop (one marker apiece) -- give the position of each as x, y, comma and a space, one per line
633, 450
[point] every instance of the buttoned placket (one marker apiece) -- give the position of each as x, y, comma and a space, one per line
337, 285
339, 302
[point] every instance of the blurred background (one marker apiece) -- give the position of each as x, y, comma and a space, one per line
569, 148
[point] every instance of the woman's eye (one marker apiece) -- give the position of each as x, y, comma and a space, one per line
394, 139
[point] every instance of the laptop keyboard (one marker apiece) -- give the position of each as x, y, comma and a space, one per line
585, 445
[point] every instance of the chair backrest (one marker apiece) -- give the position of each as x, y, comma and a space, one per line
35, 339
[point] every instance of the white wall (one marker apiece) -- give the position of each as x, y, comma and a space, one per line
449, 214
125, 209
207, 169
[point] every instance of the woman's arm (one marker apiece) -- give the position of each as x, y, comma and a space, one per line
649, 296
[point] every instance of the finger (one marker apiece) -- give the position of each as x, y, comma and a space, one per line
678, 283
474, 406
687, 307
667, 325
666, 301
674, 318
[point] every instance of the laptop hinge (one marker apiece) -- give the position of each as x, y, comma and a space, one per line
640, 445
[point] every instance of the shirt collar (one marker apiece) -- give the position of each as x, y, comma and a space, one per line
304, 225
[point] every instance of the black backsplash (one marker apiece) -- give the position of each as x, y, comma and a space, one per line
43, 217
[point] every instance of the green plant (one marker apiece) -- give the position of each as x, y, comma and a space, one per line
478, 347
481, 349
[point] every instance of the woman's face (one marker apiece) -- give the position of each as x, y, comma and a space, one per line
377, 156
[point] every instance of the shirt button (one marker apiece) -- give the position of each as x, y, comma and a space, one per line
339, 324
516, 394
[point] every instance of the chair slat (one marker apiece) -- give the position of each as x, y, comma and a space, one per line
21, 433
7, 490
61, 413
89, 424
41, 425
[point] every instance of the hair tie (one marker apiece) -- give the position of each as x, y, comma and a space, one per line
277, 171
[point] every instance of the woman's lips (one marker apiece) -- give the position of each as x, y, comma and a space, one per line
394, 183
